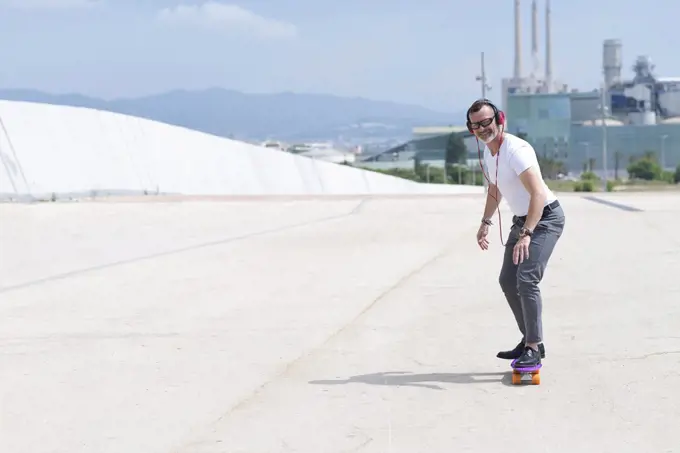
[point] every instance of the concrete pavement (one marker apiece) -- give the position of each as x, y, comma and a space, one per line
330, 325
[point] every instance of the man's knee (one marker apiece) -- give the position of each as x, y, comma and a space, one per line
508, 281
528, 278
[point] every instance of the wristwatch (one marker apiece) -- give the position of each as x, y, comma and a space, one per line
487, 222
525, 232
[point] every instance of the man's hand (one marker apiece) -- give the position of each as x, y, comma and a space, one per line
521, 250
482, 233
533, 183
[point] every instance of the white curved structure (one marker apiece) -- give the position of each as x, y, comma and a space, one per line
57, 151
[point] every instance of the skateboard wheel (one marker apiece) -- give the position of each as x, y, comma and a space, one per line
530, 377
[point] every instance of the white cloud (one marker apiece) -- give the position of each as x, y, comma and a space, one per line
228, 18
49, 4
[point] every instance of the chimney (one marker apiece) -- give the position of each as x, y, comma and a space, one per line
548, 49
518, 42
534, 40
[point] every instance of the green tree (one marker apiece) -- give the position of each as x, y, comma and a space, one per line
550, 168
677, 175
456, 151
646, 167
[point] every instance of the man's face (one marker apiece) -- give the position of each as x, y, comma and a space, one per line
483, 124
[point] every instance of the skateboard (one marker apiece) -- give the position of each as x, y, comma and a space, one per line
530, 375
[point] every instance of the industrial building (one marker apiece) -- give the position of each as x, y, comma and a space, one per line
427, 146
640, 115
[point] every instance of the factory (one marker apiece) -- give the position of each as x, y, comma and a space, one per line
534, 82
640, 115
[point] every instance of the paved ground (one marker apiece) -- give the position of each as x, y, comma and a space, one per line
330, 326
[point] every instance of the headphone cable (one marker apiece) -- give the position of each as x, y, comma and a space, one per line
498, 208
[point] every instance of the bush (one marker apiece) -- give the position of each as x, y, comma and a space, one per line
436, 175
668, 176
462, 174
406, 173
610, 185
677, 175
589, 176
583, 186
645, 168
420, 173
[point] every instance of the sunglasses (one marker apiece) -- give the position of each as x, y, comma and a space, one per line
482, 123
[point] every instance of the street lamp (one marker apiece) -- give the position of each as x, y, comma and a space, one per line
482, 78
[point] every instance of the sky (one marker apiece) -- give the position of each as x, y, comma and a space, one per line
424, 52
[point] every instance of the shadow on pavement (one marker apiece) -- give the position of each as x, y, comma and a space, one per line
426, 380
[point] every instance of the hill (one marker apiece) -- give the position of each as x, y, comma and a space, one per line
255, 117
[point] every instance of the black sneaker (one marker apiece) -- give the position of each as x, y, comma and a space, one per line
517, 352
528, 359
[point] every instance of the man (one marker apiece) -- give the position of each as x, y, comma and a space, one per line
538, 222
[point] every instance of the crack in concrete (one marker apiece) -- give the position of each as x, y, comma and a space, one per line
355, 210
653, 354
642, 357
285, 369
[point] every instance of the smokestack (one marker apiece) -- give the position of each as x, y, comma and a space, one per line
534, 40
518, 42
548, 48
611, 61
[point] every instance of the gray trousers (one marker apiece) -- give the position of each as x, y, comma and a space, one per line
520, 282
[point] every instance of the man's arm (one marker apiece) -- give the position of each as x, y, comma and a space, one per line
533, 183
493, 198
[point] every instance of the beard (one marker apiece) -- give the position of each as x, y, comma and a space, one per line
488, 136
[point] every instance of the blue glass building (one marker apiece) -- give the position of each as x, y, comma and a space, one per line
568, 127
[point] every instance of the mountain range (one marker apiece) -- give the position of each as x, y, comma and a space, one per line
256, 117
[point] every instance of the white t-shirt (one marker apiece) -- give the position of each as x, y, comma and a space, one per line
515, 156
